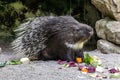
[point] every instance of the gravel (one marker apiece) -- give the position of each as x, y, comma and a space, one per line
51, 70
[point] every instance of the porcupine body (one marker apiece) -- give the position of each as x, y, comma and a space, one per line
52, 37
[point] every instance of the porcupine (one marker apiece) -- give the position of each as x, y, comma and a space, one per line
52, 38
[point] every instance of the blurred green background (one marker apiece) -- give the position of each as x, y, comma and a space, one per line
15, 12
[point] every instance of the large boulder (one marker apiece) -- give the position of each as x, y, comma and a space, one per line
109, 30
107, 47
100, 27
109, 8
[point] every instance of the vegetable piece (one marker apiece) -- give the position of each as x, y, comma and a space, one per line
72, 64
85, 70
81, 67
88, 59
61, 62
119, 69
113, 70
93, 75
78, 60
91, 69
96, 61
25, 60
116, 75
66, 65
15, 62
3, 64
98, 76
99, 69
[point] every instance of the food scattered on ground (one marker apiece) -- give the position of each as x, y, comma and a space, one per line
78, 60
113, 70
3, 64
25, 60
72, 64
100, 69
98, 76
94, 61
84, 70
93, 67
67, 64
116, 75
86, 66
61, 62
14, 62
88, 69
88, 59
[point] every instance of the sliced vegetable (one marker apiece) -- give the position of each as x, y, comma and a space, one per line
116, 75
81, 67
61, 62
78, 60
93, 75
72, 64
96, 61
66, 65
113, 70
25, 60
88, 59
100, 69
3, 64
15, 62
85, 70
91, 69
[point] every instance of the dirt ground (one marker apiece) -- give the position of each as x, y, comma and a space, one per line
51, 70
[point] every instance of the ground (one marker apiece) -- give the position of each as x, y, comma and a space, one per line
51, 70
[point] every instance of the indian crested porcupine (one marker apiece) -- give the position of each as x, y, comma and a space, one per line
51, 38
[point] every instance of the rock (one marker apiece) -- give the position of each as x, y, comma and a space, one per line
107, 47
113, 31
109, 8
109, 30
100, 27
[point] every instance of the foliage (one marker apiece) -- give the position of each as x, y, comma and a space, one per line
14, 12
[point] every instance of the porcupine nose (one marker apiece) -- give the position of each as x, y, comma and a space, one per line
91, 32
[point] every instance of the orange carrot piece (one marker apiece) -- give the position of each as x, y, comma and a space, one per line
85, 70
78, 60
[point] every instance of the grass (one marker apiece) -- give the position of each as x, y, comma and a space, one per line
17, 5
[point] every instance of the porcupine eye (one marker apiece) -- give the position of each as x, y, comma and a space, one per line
82, 34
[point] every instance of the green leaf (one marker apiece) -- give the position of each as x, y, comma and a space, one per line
88, 59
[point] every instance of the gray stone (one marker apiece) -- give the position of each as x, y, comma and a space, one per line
107, 47
109, 8
100, 27
109, 30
